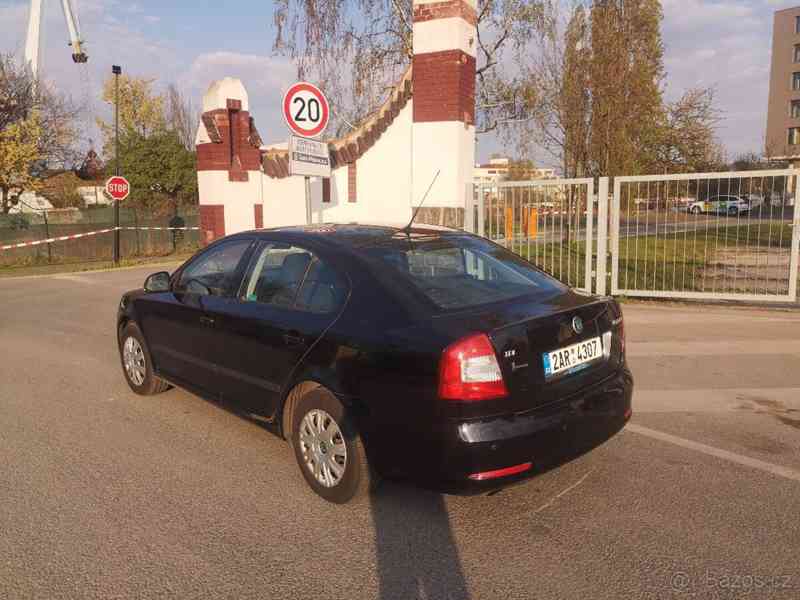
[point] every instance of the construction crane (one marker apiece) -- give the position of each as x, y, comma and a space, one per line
34, 40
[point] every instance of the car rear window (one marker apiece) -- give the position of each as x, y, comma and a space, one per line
457, 272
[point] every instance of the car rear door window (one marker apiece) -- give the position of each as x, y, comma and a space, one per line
293, 277
323, 290
215, 271
277, 273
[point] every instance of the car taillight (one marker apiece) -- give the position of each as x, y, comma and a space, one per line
469, 371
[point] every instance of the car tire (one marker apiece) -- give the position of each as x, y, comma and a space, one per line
137, 366
338, 444
695, 210
733, 211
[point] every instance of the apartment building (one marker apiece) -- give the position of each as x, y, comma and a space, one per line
783, 111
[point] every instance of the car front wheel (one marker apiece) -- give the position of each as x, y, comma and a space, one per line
695, 210
329, 450
136, 363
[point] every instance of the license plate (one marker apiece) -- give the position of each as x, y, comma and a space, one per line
572, 358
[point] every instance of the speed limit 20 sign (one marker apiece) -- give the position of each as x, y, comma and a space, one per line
306, 109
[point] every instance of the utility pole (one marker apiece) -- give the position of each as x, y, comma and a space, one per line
117, 71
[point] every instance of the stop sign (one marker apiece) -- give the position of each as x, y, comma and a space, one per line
118, 187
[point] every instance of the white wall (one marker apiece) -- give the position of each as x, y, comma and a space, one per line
238, 197
383, 186
284, 201
446, 146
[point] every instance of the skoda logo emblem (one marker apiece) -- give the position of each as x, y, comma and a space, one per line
577, 325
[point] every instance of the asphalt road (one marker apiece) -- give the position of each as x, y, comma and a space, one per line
105, 494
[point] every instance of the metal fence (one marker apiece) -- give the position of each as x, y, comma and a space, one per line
143, 234
713, 236
548, 222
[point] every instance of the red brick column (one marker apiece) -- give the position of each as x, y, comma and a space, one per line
212, 222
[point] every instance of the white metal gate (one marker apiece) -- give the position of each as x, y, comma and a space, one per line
549, 222
713, 236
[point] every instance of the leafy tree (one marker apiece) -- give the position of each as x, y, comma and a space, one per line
357, 49
595, 96
141, 110
626, 74
19, 151
520, 170
160, 169
751, 161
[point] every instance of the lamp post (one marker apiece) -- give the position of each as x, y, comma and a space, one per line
117, 71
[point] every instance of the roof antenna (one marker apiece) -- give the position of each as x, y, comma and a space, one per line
407, 228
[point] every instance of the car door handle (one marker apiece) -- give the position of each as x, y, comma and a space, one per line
293, 338
207, 321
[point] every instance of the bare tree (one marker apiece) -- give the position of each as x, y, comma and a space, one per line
555, 108
688, 140
357, 49
181, 116
57, 114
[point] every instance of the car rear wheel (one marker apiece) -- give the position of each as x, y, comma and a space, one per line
733, 211
695, 210
329, 450
136, 363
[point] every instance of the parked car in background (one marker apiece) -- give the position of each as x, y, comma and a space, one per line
721, 205
433, 356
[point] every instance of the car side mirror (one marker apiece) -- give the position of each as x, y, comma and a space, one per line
157, 282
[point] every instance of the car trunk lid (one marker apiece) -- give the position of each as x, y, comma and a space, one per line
523, 332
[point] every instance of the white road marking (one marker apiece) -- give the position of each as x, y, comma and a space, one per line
733, 457
721, 348
76, 278
704, 317
720, 400
557, 496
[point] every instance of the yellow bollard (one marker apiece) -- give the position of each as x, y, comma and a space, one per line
533, 223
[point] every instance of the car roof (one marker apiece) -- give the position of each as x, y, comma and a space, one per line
357, 234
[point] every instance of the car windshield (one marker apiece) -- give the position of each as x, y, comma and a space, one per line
457, 272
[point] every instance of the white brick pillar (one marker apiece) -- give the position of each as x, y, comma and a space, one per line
444, 102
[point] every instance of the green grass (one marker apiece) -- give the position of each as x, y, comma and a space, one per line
677, 261
564, 261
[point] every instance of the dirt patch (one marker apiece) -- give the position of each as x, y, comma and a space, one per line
748, 270
774, 408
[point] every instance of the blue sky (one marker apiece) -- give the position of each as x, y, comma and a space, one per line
721, 43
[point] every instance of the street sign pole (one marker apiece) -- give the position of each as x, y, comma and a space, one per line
307, 112
308, 200
116, 70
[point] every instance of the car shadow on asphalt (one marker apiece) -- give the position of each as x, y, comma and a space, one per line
415, 548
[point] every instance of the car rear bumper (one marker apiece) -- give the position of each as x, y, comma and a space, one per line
545, 437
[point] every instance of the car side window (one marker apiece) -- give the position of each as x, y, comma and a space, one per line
214, 271
292, 277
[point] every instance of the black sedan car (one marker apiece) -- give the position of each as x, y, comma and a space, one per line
427, 355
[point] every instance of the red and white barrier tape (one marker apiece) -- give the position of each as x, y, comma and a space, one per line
163, 228
75, 236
